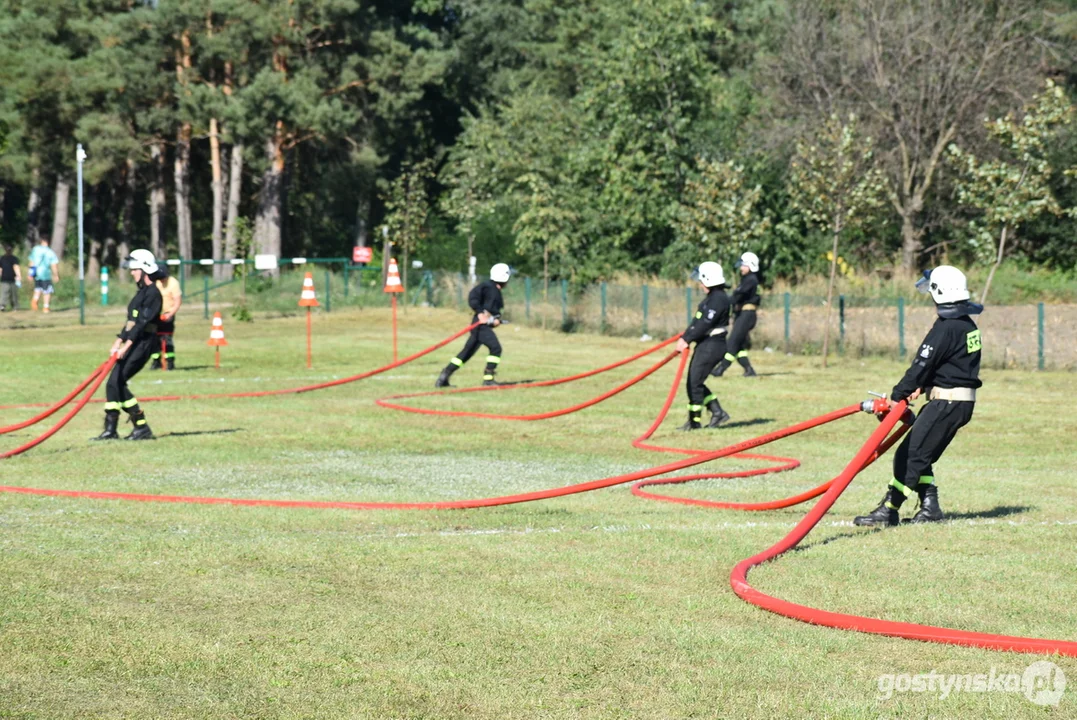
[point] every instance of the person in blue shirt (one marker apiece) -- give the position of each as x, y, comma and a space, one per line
43, 262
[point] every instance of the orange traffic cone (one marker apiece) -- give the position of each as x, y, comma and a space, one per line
392, 279
393, 286
308, 300
216, 337
307, 297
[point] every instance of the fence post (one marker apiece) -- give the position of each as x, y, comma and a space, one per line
345, 282
429, 278
328, 293
183, 277
644, 308
786, 300
841, 324
901, 328
688, 306
602, 326
564, 303
1039, 335
205, 297
527, 297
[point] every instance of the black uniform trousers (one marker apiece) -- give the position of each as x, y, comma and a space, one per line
165, 329
117, 395
482, 335
706, 354
933, 431
740, 342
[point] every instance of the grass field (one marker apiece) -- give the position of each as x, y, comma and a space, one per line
599, 605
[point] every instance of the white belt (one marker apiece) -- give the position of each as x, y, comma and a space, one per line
716, 331
952, 394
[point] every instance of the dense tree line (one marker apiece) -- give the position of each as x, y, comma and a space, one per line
580, 138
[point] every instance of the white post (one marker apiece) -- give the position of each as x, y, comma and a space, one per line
80, 156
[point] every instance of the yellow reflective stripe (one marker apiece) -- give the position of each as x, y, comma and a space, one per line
742, 353
695, 408
707, 400
487, 377
129, 403
112, 406
698, 315
927, 479
134, 313
892, 506
155, 356
493, 359
457, 362
140, 421
730, 357
901, 488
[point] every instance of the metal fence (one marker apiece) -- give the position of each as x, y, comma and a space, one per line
1037, 336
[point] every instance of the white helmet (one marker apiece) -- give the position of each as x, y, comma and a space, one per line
946, 284
751, 260
500, 273
141, 260
710, 274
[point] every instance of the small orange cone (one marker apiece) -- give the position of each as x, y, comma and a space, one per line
216, 338
216, 332
392, 279
307, 298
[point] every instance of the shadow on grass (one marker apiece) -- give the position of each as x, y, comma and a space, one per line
998, 511
745, 423
185, 368
224, 431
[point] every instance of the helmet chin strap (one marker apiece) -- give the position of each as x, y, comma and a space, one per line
953, 310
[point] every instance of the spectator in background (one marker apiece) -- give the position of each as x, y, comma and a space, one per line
43, 262
10, 280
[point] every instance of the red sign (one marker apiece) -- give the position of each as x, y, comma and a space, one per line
362, 254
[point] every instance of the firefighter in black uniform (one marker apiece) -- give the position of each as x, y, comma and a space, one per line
485, 299
745, 302
707, 331
133, 347
947, 370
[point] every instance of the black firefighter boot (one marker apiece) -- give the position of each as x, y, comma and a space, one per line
929, 505
745, 363
142, 428
171, 363
718, 415
721, 367
156, 363
443, 378
886, 515
488, 379
112, 419
693, 421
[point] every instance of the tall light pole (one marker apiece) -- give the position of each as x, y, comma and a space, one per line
80, 155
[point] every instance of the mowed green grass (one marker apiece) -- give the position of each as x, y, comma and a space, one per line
599, 605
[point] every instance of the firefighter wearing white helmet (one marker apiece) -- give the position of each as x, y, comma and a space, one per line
745, 302
485, 299
946, 370
132, 349
707, 330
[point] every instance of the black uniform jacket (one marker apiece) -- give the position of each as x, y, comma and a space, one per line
948, 358
142, 314
747, 293
712, 313
486, 296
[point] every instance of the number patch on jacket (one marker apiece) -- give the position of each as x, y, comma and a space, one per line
973, 342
